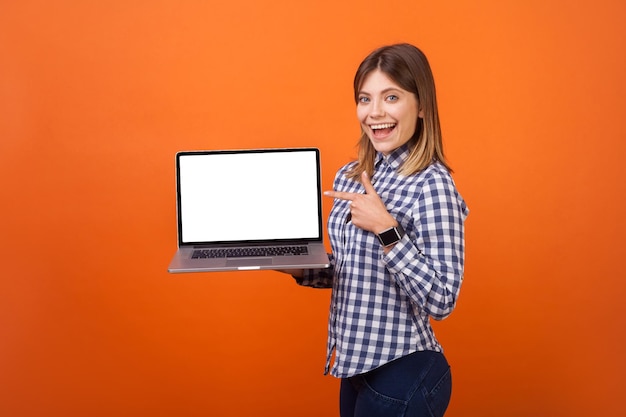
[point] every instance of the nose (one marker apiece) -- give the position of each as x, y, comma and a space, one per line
377, 108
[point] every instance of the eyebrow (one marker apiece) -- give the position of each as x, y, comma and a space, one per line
386, 90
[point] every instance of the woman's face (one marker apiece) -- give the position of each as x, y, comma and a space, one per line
388, 114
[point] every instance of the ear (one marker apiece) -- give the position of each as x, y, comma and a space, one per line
420, 114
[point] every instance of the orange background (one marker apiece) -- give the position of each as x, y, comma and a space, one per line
96, 97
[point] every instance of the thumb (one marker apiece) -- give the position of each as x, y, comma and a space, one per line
367, 184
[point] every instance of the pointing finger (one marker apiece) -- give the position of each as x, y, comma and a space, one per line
340, 195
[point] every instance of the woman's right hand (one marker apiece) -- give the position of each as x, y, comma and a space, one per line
296, 273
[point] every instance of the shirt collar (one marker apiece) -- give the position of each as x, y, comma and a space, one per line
395, 158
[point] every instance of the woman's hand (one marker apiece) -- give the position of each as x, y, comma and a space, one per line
296, 273
368, 210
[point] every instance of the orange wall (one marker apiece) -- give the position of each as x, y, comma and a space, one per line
96, 97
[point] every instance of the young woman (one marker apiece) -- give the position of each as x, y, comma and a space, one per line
397, 235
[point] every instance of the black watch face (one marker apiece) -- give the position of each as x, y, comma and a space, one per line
389, 237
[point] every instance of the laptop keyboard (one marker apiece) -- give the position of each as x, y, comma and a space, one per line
250, 252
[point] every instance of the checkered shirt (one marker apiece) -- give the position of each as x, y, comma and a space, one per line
381, 303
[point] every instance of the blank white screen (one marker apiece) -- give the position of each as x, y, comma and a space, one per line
249, 196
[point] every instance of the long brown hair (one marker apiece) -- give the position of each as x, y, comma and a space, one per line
408, 67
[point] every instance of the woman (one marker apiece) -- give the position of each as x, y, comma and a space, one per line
397, 235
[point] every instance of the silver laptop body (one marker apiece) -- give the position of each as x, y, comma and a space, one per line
249, 210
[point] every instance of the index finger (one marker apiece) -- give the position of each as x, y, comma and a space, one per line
342, 195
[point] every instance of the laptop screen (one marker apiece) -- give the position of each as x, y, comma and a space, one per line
253, 195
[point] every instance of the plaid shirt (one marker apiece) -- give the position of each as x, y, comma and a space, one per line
381, 304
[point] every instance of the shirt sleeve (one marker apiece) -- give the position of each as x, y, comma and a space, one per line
428, 261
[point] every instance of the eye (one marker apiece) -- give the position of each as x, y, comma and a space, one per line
392, 97
363, 99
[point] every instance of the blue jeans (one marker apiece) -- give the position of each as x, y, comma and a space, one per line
416, 385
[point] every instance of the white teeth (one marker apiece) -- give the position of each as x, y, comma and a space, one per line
383, 126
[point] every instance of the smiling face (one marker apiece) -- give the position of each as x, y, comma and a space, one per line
388, 114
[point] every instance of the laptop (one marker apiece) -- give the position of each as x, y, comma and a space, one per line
249, 209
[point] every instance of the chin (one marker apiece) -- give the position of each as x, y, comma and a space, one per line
383, 147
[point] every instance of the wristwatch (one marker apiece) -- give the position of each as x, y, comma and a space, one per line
391, 236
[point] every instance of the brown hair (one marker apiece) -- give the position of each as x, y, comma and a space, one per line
408, 67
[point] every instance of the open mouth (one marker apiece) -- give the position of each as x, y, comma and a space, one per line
382, 129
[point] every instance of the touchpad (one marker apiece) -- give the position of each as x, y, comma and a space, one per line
249, 262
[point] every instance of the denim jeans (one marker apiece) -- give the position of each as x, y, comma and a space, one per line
417, 385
